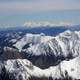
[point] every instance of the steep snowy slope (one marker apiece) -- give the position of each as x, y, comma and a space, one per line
31, 39
65, 46
24, 69
67, 42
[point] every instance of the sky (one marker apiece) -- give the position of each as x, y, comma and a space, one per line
14, 6
12, 10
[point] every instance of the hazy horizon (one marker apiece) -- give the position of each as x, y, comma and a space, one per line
17, 12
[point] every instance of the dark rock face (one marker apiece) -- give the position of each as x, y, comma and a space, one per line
10, 53
50, 78
4, 75
44, 61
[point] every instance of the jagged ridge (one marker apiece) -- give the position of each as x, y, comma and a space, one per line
65, 46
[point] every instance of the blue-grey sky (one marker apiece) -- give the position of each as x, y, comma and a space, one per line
12, 10
12, 6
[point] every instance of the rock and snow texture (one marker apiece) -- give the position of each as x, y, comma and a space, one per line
26, 69
65, 46
56, 57
72, 67
31, 39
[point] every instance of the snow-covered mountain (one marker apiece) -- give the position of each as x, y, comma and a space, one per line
31, 39
65, 46
41, 56
67, 42
23, 69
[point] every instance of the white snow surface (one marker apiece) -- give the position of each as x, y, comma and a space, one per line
67, 42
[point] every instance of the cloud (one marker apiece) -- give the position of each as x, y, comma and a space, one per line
46, 23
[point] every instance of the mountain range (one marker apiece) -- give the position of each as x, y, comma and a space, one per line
31, 56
